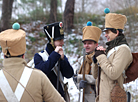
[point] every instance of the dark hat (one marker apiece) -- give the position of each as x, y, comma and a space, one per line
54, 31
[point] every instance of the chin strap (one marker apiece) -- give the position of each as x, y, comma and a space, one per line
52, 43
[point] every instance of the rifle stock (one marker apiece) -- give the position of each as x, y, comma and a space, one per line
98, 84
83, 72
81, 95
58, 74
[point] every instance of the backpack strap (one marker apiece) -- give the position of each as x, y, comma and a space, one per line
6, 89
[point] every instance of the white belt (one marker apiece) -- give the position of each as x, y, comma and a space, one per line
6, 89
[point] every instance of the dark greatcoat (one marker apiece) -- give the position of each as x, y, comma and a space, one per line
47, 66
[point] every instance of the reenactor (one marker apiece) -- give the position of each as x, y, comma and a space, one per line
91, 35
52, 60
18, 82
112, 61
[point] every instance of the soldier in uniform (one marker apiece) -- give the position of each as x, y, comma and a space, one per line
91, 35
18, 82
113, 60
52, 60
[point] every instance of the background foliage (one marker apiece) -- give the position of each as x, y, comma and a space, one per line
33, 15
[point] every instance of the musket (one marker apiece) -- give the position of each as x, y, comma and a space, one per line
82, 94
128, 97
58, 71
98, 84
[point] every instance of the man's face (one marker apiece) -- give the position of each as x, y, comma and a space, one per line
110, 35
59, 43
89, 46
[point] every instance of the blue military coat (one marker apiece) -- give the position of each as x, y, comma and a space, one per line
47, 66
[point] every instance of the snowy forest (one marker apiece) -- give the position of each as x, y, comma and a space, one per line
33, 15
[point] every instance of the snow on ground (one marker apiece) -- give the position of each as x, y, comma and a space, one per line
74, 92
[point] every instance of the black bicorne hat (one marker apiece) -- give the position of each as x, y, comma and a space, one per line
54, 31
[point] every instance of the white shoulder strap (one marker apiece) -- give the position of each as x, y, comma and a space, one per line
23, 80
114, 49
7, 91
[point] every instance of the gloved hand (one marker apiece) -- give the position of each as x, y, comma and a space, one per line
94, 59
82, 84
98, 52
75, 78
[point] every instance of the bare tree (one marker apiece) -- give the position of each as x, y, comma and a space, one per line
69, 15
53, 11
6, 14
83, 6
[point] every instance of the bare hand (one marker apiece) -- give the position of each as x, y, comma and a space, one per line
58, 48
60, 51
62, 54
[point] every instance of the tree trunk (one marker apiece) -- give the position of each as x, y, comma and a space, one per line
6, 14
69, 15
53, 11
82, 6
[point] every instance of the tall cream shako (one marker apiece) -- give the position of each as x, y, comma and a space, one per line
114, 21
91, 32
13, 41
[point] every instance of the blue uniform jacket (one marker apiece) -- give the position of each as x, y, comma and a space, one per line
47, 66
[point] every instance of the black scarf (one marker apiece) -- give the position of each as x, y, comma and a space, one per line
116, 42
